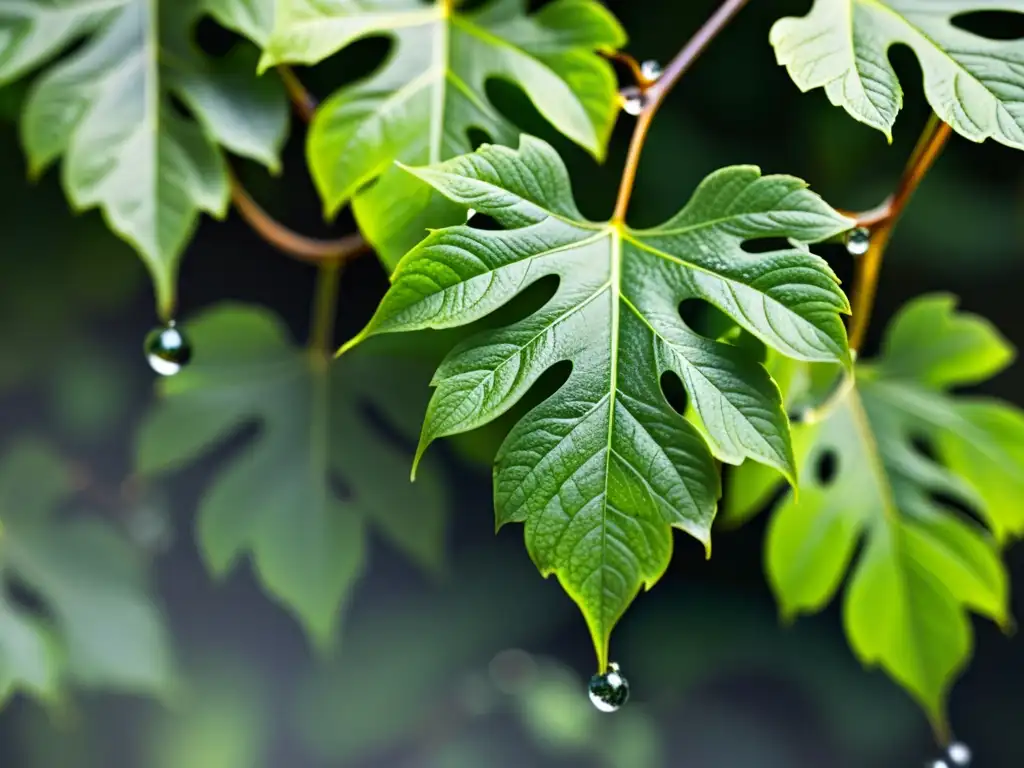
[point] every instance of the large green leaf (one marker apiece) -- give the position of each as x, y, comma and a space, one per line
300, 496
421, 105
107, 110
602, 470
889, 463
100, 626
973, 83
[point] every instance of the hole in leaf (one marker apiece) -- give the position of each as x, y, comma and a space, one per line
766, 245
354, 62
22, 596
339, 488
482, 221
993, 25
826, 467
213, 39
674, 391
529, 300
923, 446
180, 107
476, 137
704, 318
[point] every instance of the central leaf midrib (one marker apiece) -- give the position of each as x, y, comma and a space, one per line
614, 281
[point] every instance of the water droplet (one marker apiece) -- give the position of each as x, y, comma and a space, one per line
167, 350
959, 754
609, 691
937, 764
633, 100
651, 70
858, 241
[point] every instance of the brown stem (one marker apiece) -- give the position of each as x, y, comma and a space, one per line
632, 64
291, 243
882, 220
304, 102
657, 92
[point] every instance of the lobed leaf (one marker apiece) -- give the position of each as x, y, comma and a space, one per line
101, 627
301, 496
422, 104
603, 470
107, 110
892, 462
973, 83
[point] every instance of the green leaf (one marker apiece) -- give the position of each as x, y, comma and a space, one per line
602, 470
299, 496
106, 109
106, 631
974, 84
421, 105
881, 466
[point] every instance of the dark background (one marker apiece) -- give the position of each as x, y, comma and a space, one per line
717, 680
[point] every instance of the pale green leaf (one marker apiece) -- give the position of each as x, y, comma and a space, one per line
106, 110
29, 659
106, 631
603, 470
881, 466
421, 105
931, 342
973, 83
279, 498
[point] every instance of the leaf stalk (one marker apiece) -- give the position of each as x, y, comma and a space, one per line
655, 95
308, 249
881, 221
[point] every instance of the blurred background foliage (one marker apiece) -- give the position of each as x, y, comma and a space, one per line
482, 663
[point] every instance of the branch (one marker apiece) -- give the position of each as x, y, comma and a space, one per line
291, 243
881, 221
303, 101
656, 94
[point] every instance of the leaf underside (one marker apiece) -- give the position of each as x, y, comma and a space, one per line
301, 496
421, 106
603, 470
106, 110
893, 464
974, 84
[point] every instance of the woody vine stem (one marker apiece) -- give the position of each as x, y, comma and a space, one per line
880, 221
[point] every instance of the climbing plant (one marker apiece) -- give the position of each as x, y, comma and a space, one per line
897, 487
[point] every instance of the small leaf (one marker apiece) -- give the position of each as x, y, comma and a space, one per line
601, 471
882, 465
300, 495
106, 109
973, 83
420, 106
106, 631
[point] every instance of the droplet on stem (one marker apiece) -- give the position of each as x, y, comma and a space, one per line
651, 70
858, 241
609, 691
633, 100
167, 350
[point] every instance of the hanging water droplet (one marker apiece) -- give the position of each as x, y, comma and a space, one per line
858, 241
167, 350
651, 70
959, 754
470, 213
609, 691
633, 100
